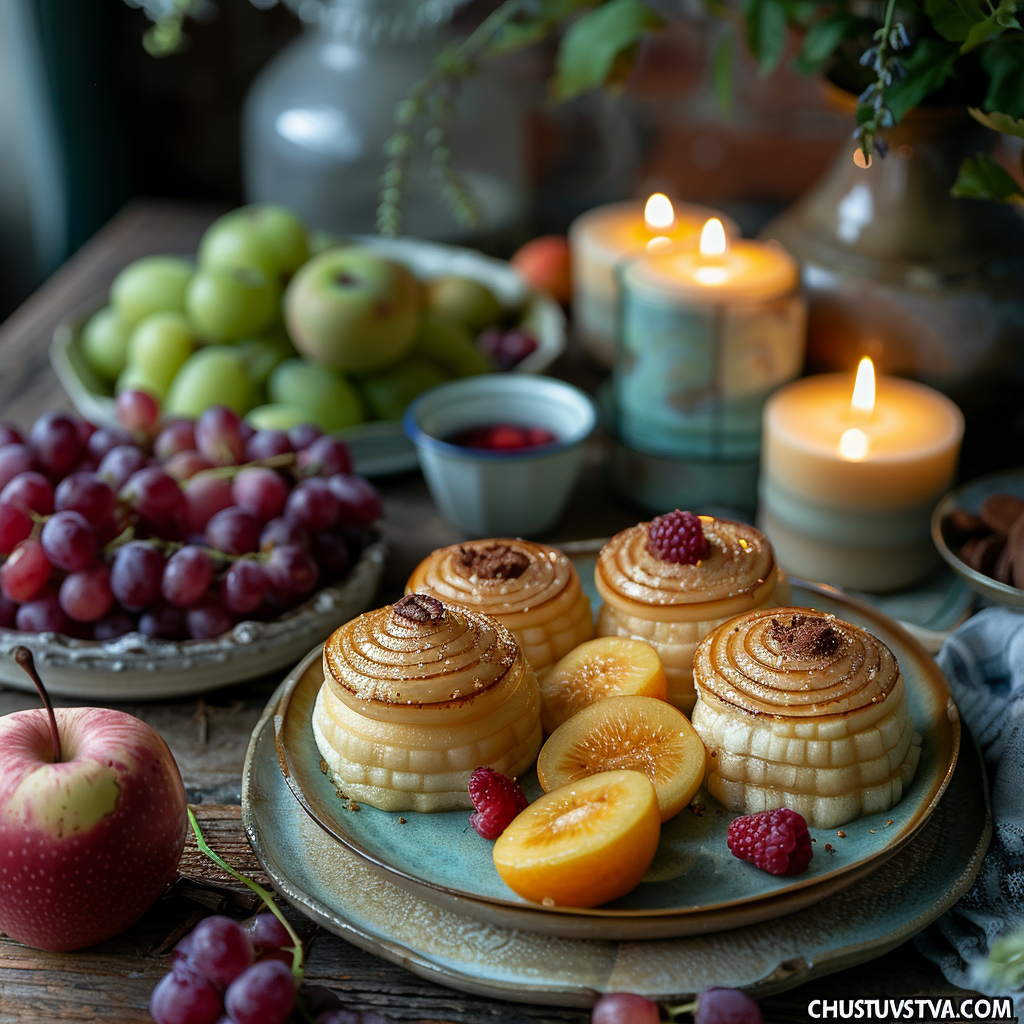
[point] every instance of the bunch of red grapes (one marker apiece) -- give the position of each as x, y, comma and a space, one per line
225, 973
176, 530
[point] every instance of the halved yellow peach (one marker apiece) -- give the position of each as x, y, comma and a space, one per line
583, 844
637, 733
606, 667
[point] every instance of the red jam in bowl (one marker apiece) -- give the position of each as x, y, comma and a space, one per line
502, 437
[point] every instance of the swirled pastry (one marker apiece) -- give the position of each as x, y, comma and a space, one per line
799, 709
417, 695
671, 581
532, 589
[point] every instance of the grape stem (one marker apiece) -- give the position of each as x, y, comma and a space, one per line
23, 656
230, 472
678, 1011
267, 897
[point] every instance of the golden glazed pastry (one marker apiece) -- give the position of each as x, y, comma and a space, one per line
532, 589
417, 695
672, 605
799, 709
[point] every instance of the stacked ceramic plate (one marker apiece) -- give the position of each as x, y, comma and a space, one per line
421, 889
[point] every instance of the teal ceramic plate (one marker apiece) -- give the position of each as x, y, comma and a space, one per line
970, 496
694, 883
342, 892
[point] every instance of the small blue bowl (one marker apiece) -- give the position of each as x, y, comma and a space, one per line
495, 493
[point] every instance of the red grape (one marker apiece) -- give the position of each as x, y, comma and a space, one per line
87, 494
187, 576
266, 443
266, 931
14, 459
30, 491
291, 572
260, 491
85, 595
120, 463
10, 434
312, 504
726, 1006
177, 436
163, 621
233, 531
43, 614
184, 465
243, 588
106, 439
185, 997
152, 493
220, 949
279, 532
246, 431
69, 541
207, 619
304, 435
85, 431
506, 348
15, 526
8, 610
54, 440
205, 495
25, 572
325, 457
330, 552
138, 410
264, 994
136, 574
625, 1008
218, 436
358, 499
117, 622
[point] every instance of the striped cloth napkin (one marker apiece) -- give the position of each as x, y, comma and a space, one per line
984, 663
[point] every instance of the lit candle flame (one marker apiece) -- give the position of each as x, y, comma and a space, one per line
863, 400
658, 213
853, 445
713, 242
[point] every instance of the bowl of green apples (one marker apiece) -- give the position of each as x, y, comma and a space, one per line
288, 326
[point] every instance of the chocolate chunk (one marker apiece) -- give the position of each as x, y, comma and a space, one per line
419, 608
1000, 511
981, 553
494, 562
1003, 570
806, 636
1015, 545
961, 525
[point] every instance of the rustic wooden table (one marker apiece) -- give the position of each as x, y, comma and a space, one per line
209, 735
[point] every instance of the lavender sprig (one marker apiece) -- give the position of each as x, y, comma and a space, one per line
873, 113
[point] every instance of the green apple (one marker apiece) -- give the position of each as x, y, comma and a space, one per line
267, 237
260, 355
212, 376
465, 300
150, 285
448, 343
352, 310
388, 392
131, 378
275, 416
228, 303
105, 343
159, 346
324, 396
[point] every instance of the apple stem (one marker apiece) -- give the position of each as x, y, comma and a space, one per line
23, 656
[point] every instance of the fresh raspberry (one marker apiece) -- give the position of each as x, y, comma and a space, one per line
497, 799
775, 841
677, 537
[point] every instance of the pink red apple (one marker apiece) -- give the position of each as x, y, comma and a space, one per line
352, 310
545, 264
87, 844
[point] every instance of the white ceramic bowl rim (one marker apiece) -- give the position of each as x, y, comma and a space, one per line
503, 387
